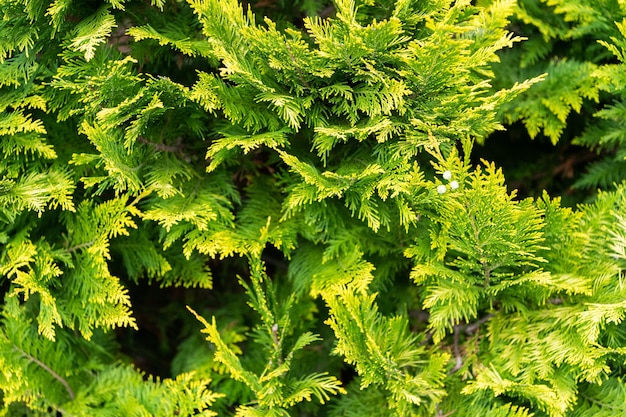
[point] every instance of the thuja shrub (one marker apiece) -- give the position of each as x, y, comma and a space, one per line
580, 45
305, 183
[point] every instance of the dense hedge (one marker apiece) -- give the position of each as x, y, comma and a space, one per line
295, 208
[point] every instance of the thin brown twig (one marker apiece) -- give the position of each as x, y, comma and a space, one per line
443, 415
295, 64
80, 246
468, 329
175, 148
455, 349
471, 328
47, 369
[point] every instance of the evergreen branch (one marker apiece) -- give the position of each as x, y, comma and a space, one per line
468, 329
47, 369
297, 67
472, 327
275, 338
177, 147
601, 404
80, 246
58, 409
140, 197
329, 123
446, 414
456, 351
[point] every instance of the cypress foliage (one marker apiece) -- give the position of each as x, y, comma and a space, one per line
580, 45
307, 187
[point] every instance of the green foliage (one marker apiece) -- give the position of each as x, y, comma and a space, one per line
303, 178
580, 45
276, 389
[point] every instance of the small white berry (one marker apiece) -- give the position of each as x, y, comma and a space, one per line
454, 185
441, 189
447, 175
